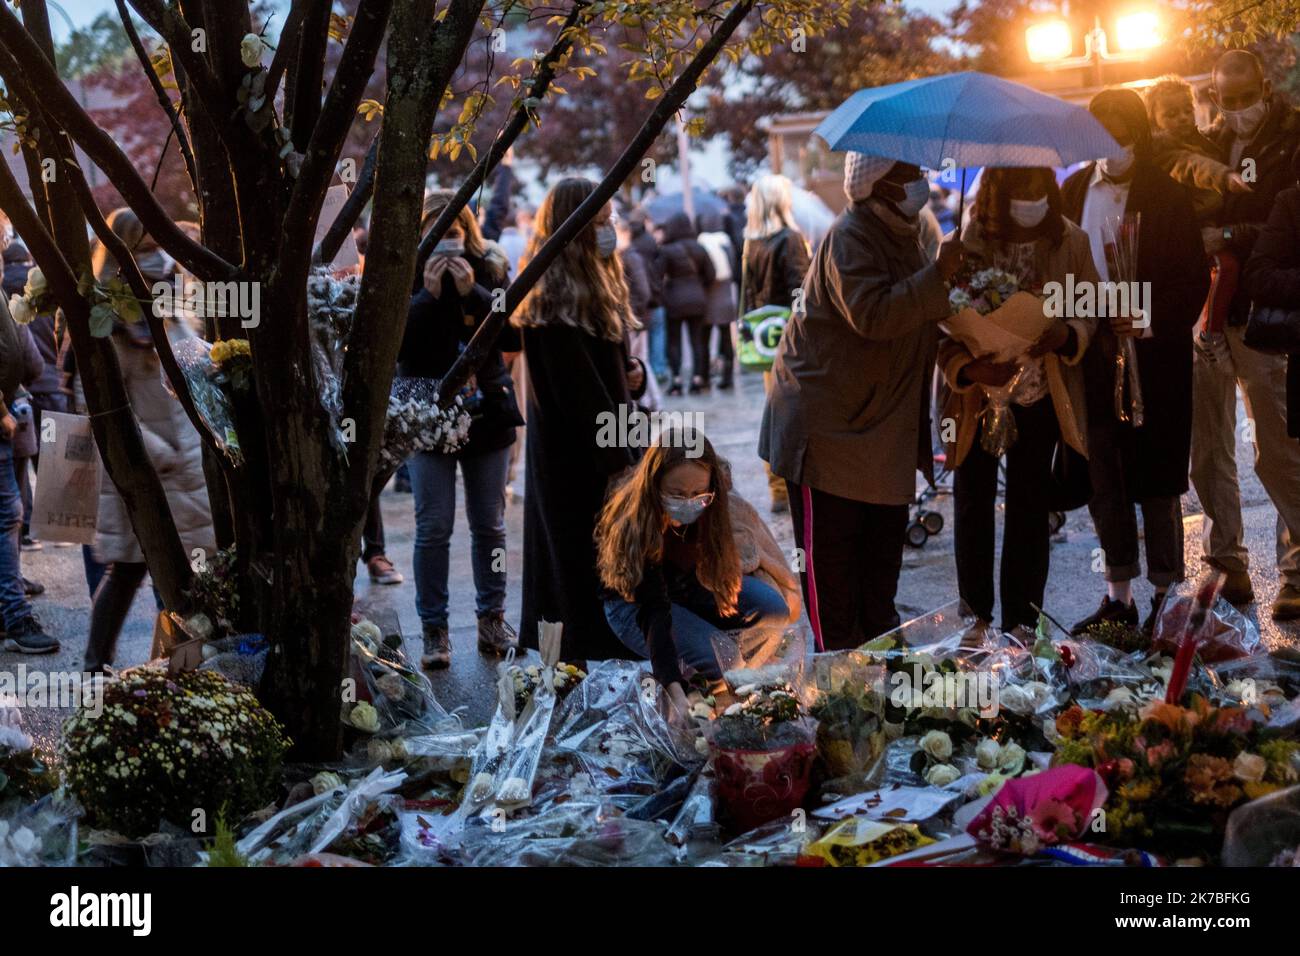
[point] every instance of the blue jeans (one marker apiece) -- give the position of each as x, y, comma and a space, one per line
659, 341
433, 483
13, 602
759, 605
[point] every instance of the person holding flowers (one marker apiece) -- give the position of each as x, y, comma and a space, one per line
847, 420
1016, 227
683, 557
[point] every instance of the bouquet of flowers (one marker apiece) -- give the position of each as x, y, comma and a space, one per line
528, 677
416, 422
1039, 811
996, 319
860, 841
165, 745
25, 773
209, 389
1174, 772
1120, 240
763, 748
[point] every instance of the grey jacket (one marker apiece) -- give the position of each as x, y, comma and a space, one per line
848, 409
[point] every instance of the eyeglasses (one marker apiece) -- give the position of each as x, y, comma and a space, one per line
704, 500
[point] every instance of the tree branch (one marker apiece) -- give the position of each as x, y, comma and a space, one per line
481, 342
25, 68
165, 101
327, 138
347, 217
290, 35
303, 100
538, 84
167, 22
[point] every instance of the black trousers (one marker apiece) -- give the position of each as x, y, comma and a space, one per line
852, 554
1026, 536
112, 603
698, 330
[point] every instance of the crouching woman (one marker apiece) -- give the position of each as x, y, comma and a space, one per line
682, 558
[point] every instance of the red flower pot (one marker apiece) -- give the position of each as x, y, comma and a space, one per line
757, 786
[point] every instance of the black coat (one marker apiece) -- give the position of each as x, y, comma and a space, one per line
436, 332
774, 268
573, 378
687, 270
1171, 257
638, 283
1272, 278
1244, 214
648, 250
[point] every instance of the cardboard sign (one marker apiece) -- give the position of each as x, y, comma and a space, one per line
66, 504
349, 257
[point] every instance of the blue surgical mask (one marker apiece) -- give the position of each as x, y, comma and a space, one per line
685, 510
606, 241
916, 195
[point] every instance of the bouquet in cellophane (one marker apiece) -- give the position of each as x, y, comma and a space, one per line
996, 319
1120, 237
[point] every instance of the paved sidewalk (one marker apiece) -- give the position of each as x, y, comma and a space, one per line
731, 421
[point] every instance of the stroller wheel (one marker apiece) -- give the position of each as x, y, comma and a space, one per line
932, 521
917, 536
1055, 521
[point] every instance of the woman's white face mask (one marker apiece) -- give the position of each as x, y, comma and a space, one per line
1028, 212
1119, 164
916, 195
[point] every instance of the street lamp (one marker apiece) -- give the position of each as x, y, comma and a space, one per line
1050, 43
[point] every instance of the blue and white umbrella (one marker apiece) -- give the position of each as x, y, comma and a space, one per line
962, 120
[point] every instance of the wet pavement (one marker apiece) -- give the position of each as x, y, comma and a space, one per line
731, 421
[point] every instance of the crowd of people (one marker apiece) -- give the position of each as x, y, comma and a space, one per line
646, 552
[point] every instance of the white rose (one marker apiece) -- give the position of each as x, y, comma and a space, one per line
379, 751
987, 753
367, 631
937, 745
25, 843
1249, 767
200, 625
1013, 757
250, 50
1119, 697
364, 717
325, 781
942, 774
21, 310
36, 284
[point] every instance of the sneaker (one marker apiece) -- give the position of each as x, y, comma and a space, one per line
675, 388
1108, 611
27, 637
1237, 588
33, 588
495, 636
1287, 605
1157, 602
437, 648
382, 571
31, 544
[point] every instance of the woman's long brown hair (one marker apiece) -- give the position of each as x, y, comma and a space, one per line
630, 532
579, 288
475, 244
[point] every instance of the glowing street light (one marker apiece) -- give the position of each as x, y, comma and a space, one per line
1049, 41
1138, 31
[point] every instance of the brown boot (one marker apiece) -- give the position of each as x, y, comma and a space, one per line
1286, 607
495, 636
437, 648
1237, 588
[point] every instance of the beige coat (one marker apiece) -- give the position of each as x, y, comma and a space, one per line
760, 555
848, 410
174, 448
965, 403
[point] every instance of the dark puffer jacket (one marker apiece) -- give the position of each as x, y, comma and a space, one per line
774, 269
687, 270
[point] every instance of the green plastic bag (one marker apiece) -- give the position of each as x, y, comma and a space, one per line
760, 334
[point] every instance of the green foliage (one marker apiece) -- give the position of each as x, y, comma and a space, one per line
222, 852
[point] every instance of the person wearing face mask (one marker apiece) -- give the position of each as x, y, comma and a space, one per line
682, 557
173, 445
1016, 226
453, 296
1259, 131
847, 419
574, 325
1142, 467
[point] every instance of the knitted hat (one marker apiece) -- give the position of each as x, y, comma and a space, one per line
861, 172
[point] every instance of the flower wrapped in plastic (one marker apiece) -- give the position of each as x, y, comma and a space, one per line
25, 772
847, 700
43, 833
415, 422
331, 305
1034, 812
762, 655
393, 698
1265, 832
209, 389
